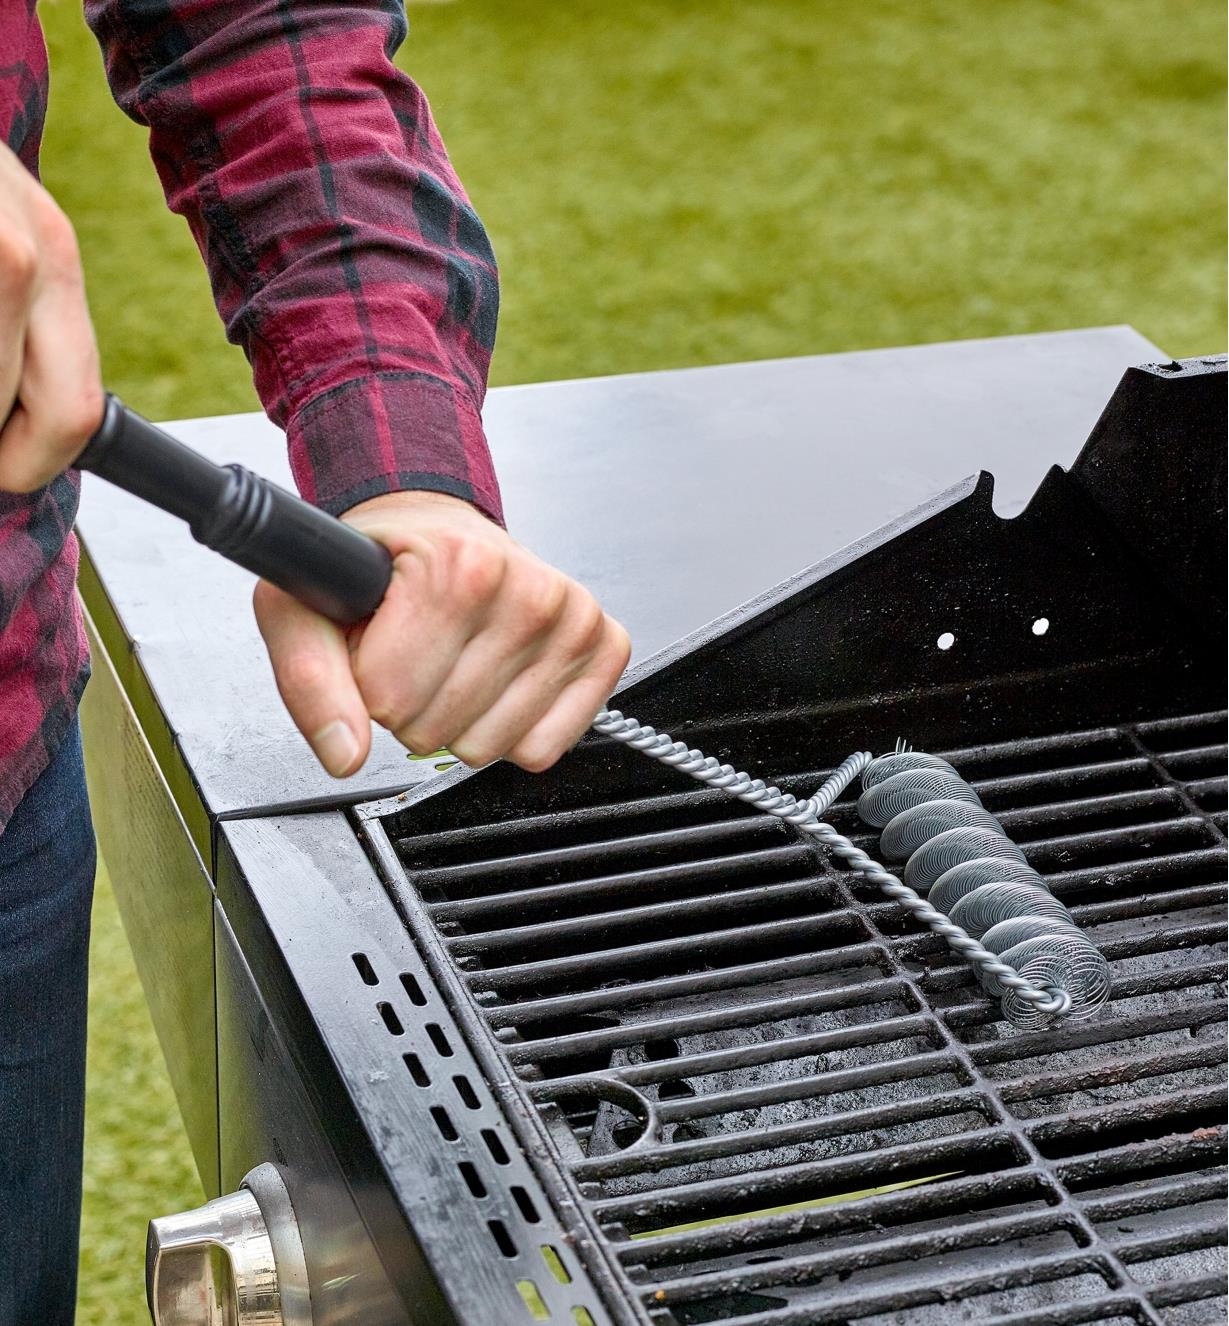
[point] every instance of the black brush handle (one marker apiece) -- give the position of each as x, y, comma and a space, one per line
301, 549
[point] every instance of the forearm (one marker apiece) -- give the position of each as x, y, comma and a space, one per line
343, 253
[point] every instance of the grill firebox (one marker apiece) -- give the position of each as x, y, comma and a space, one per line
752, 1090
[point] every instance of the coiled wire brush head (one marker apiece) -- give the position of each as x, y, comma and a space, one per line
959, 855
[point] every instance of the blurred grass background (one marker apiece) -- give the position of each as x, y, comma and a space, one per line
673, 182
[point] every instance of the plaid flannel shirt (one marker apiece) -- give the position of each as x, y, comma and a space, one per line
344, 257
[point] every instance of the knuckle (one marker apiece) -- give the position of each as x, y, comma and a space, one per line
59, 237
477, 571
541, 602
590, 624
620, 647
18, 261
79, 417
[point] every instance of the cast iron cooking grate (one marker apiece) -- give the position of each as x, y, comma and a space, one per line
727, 1042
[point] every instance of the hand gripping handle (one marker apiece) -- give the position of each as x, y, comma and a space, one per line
252, 522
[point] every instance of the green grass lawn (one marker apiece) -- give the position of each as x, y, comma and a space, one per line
682, 182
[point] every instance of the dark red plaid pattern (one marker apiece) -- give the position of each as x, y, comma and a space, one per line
344, 256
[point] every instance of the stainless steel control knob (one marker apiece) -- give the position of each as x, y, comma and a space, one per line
236, 1261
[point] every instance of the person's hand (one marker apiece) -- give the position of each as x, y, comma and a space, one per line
478, 646
51, 395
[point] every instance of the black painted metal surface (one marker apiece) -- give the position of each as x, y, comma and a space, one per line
859, 438
696, 1018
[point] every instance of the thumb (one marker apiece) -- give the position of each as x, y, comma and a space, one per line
311, 663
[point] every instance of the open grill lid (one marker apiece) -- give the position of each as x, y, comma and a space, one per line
700, 1019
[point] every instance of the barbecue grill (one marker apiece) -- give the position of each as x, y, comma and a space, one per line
604, 1046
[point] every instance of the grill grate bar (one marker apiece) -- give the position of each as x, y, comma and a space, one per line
1130, 909
946, 1197
807, 1270
1102, 1033
1006, 788
642, 846
1161, 1195
841, 925
881, 990
973, 759
942, 1288
914, 1067
1174, 1106
1174, 1293
711, 806
1198, 1146
515, 904
650, 1159
1021, 824
974, 1013
524, 938
770, 971
1112, 1072
1130, 874
879, 1032
1186, 1238
909, 1160
1043, 851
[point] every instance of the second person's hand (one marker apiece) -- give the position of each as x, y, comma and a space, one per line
478, 646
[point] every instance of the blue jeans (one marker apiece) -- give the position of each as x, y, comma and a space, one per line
46, 886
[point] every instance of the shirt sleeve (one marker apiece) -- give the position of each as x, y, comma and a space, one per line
344, 255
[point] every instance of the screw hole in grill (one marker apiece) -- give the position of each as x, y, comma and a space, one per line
363, 963
467, 1093
503, 1240
448, 1129
533, 1300
499, 1153
391, 1020
418, 1073
472, 1179
439, 1040
550, 1255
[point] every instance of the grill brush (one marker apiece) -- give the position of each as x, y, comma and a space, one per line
1000, 915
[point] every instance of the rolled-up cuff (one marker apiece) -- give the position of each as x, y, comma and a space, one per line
387, 433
